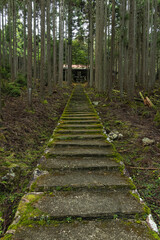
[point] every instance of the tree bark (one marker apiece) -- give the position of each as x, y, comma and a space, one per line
61, 42
91, 41
10, 37
121, 51
29, 62
54, 45
99, 56
112, 50
153, 47
35, 45
14, 42
42, 70
131, 77
0, 70
49, 47
70, 42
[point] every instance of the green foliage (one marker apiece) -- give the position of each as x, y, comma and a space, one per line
13, 89
45, 102
5, 72
79, 52
21, 80
157, 119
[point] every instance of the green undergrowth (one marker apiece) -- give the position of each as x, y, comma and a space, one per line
24, 135
135, 121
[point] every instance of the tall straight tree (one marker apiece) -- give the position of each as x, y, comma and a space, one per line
105, 47
121, 50
0, 70
10, 37
91, 41
29, 62
153, 46
54, 45
97, 44
99, 56
42, 70
49, 46
14, 40
61, 42
35, 44
144, 46
70, 41
111, 79
131, 76
24, 35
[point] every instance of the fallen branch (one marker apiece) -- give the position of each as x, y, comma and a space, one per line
142, 168
147, 101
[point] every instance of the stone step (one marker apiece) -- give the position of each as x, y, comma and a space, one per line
91, 180
79, 114
87, 204
79, 131
79, 136
82, 143
79, 126
87, 230
79, 118
80, 151
90, 122
79, 163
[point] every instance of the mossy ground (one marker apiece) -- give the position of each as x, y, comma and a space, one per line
135, 121
24, 135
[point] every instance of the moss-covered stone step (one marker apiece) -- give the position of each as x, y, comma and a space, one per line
80, 180
79, 136
84, 204
79, 118
79, 114
74, 122
86, 230
81, 152
89, 110
79, 131
91, 113
81, 143
79, 163
80, 126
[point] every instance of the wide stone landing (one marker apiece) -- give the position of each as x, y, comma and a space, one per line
79, 191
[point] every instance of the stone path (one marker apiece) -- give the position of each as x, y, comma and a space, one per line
80, 193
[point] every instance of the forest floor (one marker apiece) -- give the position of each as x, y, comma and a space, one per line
135, 121
24, 134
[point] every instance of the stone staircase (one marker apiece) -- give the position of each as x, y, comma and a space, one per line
79, 191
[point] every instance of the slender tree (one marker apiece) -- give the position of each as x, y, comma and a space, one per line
49, 47
0, 69
42, 70
14, 40
99, 55
70, 13
35, 44
131, 77
153, 46
29, 62
61, 42
121, 50
112, 49
54, 45
91, 41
